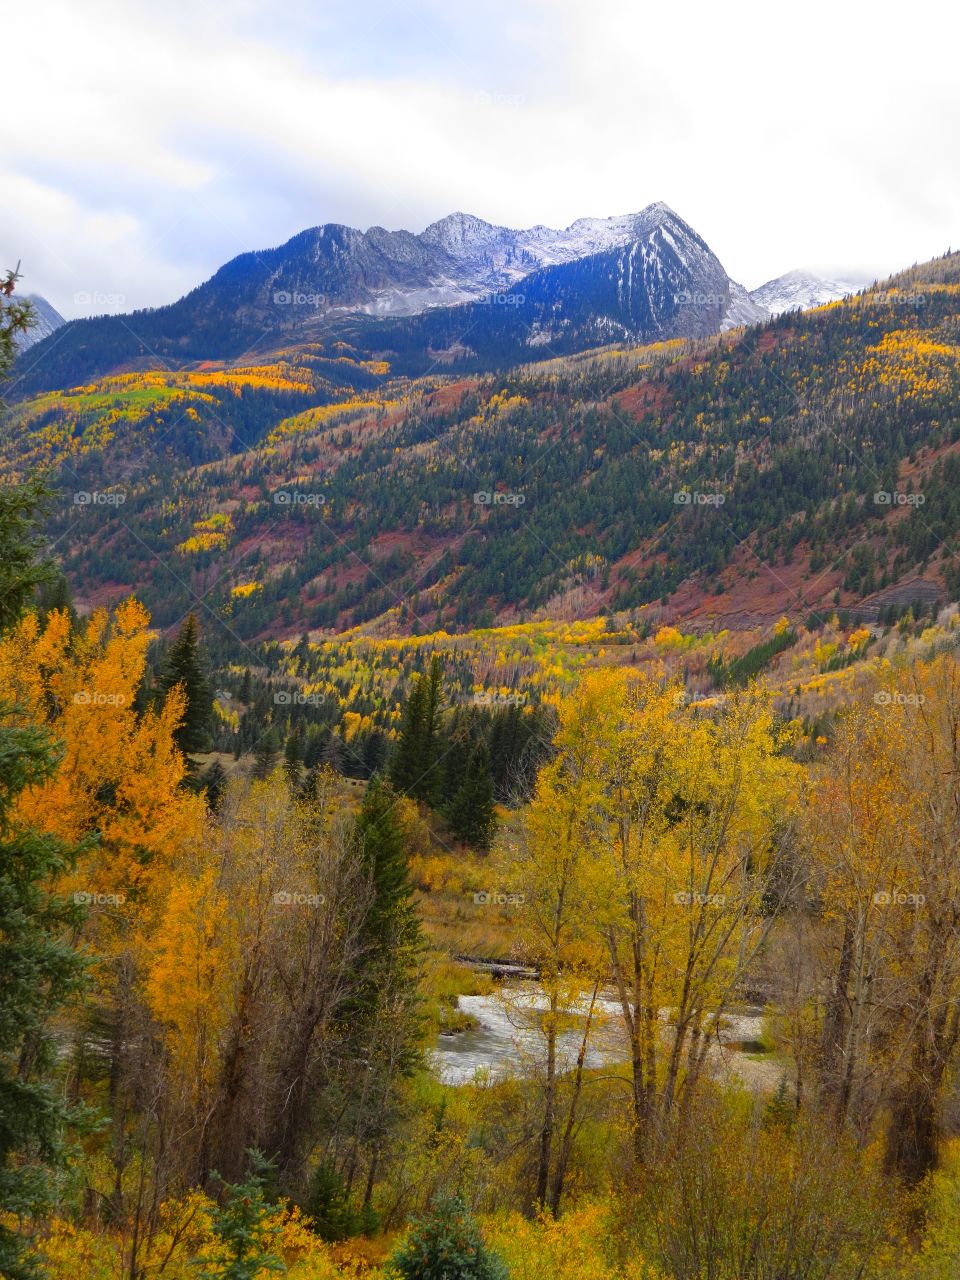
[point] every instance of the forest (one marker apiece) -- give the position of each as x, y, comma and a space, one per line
586, 948
224, 978
819, 449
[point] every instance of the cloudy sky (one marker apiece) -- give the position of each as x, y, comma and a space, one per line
143, 144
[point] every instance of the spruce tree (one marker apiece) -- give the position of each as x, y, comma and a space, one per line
184, 666
392, 925
470, 813
22, 565
415, 769
39, 971
446, 1244
214, 781
405, 765
16, 317
38, 974
292, 758
382, 1023
264, 755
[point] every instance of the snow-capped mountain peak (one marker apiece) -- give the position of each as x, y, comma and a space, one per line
48, 320
797, 290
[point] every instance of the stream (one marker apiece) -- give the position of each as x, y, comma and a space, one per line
504, 1039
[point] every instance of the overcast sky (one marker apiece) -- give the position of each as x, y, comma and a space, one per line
144, 144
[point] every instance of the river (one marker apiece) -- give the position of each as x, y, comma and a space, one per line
504, 1039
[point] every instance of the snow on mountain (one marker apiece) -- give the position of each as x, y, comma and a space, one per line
489, 257
48, 320
743, 308
798, 290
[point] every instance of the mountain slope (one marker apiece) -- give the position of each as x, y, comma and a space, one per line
639, 276
798, 291
49, 320
811, 462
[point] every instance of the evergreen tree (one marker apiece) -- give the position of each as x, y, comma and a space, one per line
184, 666
317, 738
459, 747
242, 1224
54, 593
264, 755
383, 1023
392, 926
214, 781
446, 1244
22, 565
292, 758
405, 765
332, 755
374, 752
415, 770
16, 317
38, 973
470, 813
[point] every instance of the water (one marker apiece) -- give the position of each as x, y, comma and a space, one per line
504, 1038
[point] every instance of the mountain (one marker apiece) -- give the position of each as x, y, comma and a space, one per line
641, 276
798, 291
48, 321
662, 282
808, 463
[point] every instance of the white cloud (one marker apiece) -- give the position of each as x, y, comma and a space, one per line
154, 144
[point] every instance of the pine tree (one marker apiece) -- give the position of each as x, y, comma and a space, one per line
243, 1225
415, 769
38, 973
392, 925
264, 755
383, 1020
16, 317
446, 1244
22, 565
405, 765
184, 666
459, 747
214, 781
292, 758
470, 813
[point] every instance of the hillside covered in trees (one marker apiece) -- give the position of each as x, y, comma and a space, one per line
802, 464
